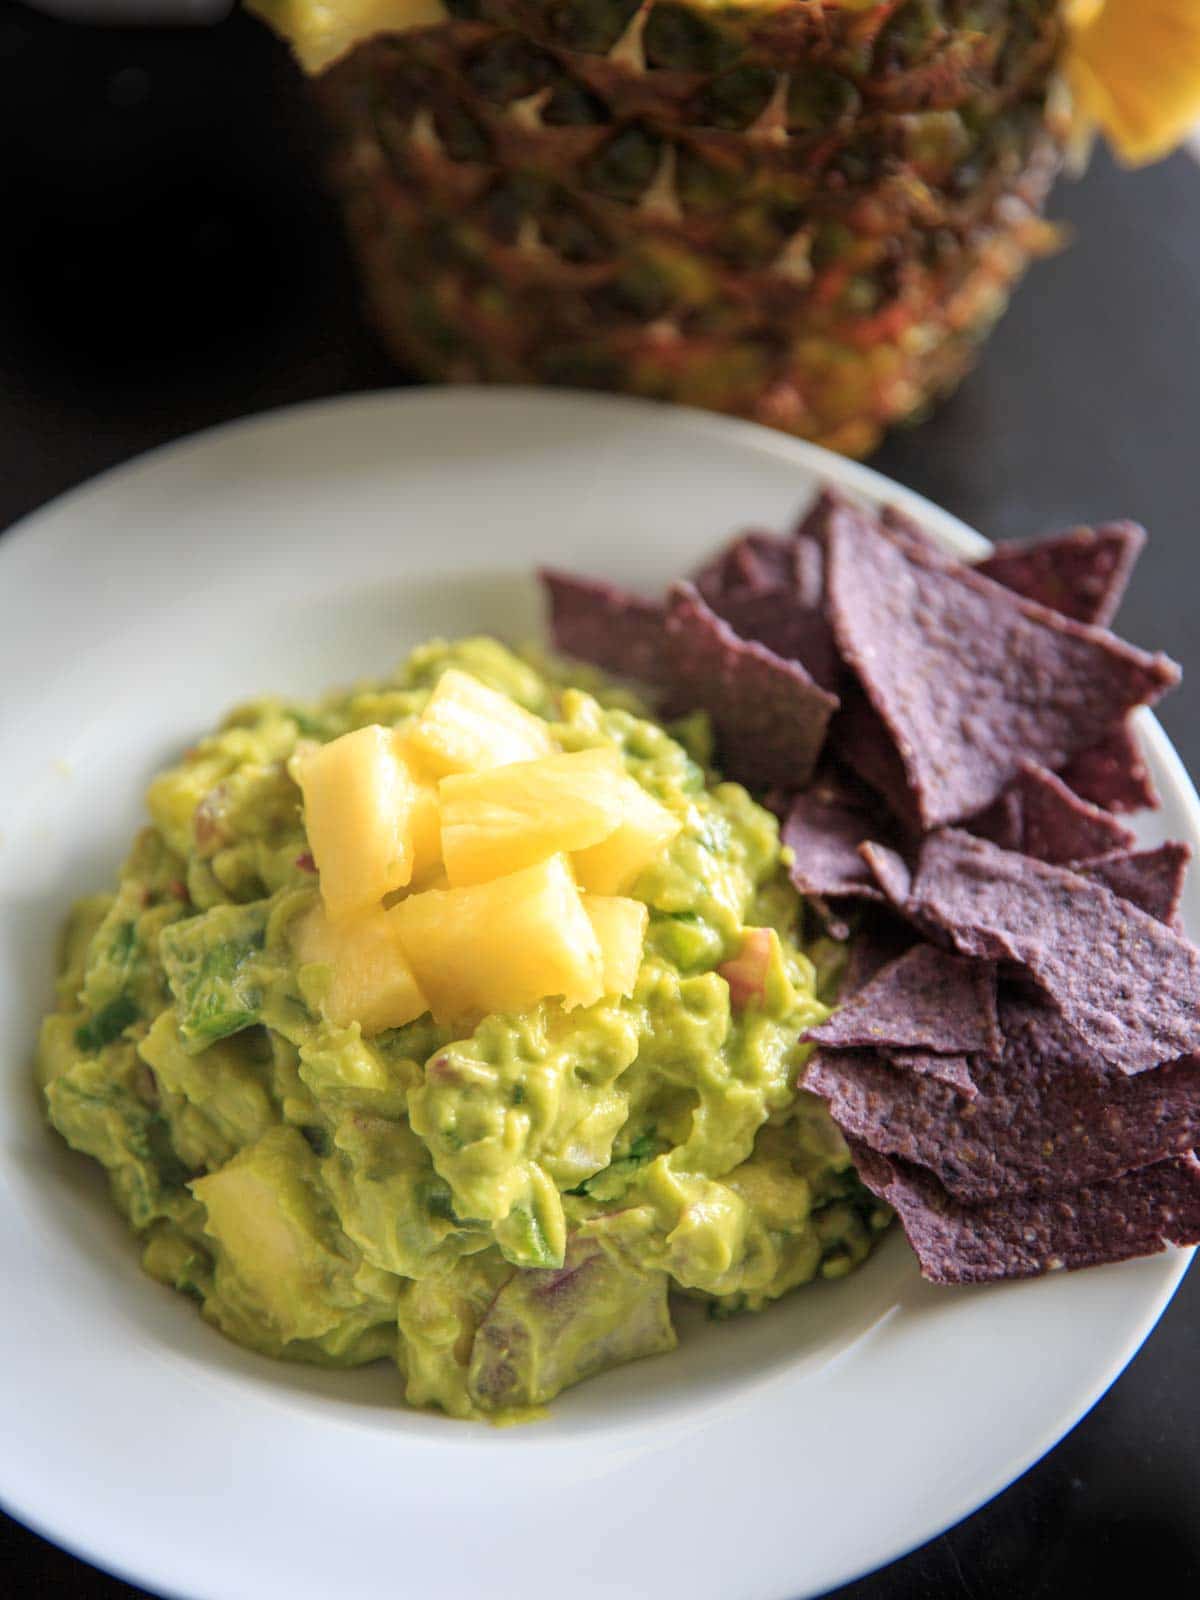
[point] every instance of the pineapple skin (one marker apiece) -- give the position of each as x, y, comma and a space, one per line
806, 214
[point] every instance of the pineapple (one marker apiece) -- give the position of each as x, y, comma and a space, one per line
613, 866
467, 727
620, 928
360, 796
502, 945
370, 980
510, 817
806, 212
426, 823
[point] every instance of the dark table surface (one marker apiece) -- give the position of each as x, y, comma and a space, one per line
169, 262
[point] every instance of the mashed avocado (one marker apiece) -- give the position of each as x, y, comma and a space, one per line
502, 1207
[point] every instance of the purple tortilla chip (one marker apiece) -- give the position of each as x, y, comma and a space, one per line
778, 619
1125, 982
1113, 774
754, 562
876, 944
889, 870
927, 1000
1152, 879
771, 590
608, 626
1045, 1117
1082, 573
910, 535
969, 679
863, 742
1131, 1216
824, 828
1058, 826
768, 714
953, 1070
1003, 822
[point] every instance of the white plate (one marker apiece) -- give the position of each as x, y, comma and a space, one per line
769, 1457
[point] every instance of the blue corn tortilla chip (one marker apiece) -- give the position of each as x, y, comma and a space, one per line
1136, 1215
1057, 826
754, 562
952, 1070
1082, 573
910, 535
1151, 879
793, 630
862, 742
768, 715
890, 871
1041, 816
824, 827
771, 589
927, 1000
1003, 822
612, 628
1113, 774
878, 942
1128, 984
1044, 1117
967, 678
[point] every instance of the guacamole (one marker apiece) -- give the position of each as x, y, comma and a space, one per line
503, 1204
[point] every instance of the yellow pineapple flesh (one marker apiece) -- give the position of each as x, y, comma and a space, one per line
370, 980
467, 727
502, 945
614, 865
426, 826
1134, 70
620, 929
499, 821
359, 798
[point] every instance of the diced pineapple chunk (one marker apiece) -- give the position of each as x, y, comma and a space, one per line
263, 1212
620, 928
502, 945
359, 801
467, 727
426, 826
614, 865
370, 981
497, 822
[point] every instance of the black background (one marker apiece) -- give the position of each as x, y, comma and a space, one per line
168, 261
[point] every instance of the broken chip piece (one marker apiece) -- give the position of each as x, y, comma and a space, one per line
927, 1000
1152, 879
1136, 1215
768, 714
1082, 573
1046, 1116
606, 625
1127, 983
1057, 826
